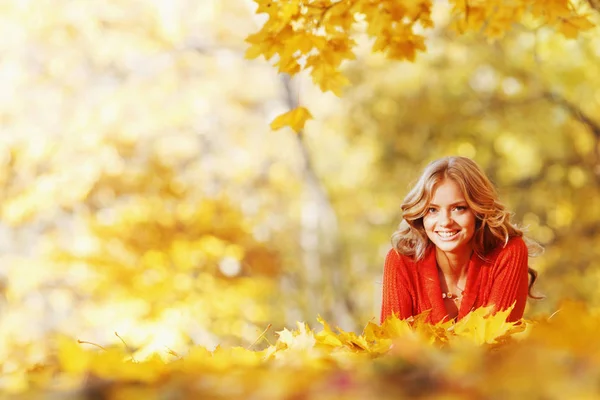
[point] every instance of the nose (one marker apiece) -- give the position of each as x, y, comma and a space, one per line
445, 218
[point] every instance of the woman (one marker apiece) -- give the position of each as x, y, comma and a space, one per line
456, 249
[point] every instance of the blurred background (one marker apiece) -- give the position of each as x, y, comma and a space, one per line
142, 191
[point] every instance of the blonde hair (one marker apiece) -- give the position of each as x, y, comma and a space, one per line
492, 227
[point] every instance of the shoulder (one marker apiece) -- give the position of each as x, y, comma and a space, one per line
406, 264
515, 245
514, 250
398, 262
396, 256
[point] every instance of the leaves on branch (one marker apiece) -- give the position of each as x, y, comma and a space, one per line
317, 36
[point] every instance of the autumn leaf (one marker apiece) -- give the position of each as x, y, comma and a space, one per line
295, 119
327, 337
480, 327
286, 337
328, 78
268, 7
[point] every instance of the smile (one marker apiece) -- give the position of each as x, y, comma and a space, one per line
447, 234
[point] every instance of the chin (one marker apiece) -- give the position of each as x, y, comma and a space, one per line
450, 247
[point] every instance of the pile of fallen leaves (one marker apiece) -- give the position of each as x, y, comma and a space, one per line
477, 357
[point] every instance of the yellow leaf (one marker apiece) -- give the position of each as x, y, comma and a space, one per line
329, 78
295, 119
572, 26
257, 44
551, 9
286, 337
112, 364
72, 357
354, 342
327, 336
373, 331
479, 327
304, 338
337, 51
253, 52
289, 10
269, 352
288, 65
395, 327
267, 7
301, 42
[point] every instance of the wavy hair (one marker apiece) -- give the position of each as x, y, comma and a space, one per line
492, 220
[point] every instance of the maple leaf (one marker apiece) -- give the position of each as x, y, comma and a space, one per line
267, 7
328, 77
288, 10
376, 336
327, 337
289, 65
480, 328
373, 331
395, 327
295, 119
304, 338
302, 42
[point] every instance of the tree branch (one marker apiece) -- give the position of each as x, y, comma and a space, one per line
327, 260
595, 4
574, 111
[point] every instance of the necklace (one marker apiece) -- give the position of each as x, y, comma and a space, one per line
452, 296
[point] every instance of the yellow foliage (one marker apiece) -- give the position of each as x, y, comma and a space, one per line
482, 355
483, 330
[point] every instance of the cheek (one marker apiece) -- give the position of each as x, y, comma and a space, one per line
428, 223
470, 222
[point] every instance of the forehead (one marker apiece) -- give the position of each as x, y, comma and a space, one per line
447, 192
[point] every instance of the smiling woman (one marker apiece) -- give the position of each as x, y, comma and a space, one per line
456, 249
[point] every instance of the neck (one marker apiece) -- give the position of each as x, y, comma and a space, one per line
453, 265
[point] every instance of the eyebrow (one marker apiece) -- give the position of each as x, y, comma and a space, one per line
456, 203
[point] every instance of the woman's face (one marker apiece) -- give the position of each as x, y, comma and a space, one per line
449, 222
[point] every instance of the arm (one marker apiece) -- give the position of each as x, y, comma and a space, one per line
396, 297
510, 281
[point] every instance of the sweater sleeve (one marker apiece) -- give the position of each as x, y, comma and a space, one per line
510, 283
396, 297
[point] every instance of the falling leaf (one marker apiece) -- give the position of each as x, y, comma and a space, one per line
295, 119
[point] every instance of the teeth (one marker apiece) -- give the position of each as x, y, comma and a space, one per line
447, 234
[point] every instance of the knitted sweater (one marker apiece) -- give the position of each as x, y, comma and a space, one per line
410, 288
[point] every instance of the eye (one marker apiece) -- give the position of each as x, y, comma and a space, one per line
460, 208
431, 210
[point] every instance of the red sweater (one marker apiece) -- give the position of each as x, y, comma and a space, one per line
410, 288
